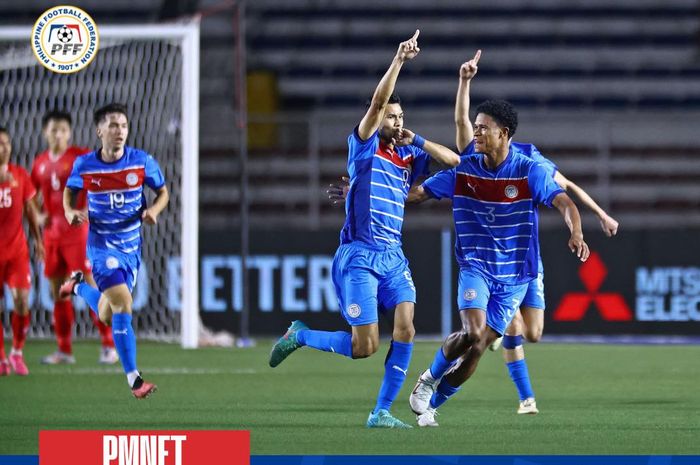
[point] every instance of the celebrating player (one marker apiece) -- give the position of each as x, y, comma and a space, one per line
64, 245
529, 320
16, 193
495, 192
370, 272
114, 177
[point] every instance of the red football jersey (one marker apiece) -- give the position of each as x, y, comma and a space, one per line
14, 193
49, 176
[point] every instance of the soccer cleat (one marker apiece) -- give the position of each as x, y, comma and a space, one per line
384, 419
528, 407
144, 388
66, 289
18, 365
427, 418
286, 344
5, 369
496, 344
422, 392
108, 356
58, 358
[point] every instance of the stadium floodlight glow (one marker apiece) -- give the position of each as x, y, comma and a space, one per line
154, 70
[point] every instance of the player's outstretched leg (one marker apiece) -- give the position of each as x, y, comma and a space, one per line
428, 381
63, 319
517, 369
20, 319
299, 335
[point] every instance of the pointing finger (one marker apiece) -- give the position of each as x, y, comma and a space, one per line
477, 56
415, 36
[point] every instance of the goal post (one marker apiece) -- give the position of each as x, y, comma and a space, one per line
154, 70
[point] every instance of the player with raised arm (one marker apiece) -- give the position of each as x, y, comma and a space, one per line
495, 192
64, 245
16, 194
114, 177
370, 272
529, 320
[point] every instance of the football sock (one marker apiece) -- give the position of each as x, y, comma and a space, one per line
3, 356
444, 391
90, 294
20, 326
395, 368
124, 341
518, 369
105, 331
440, 364
63, 318
339, 342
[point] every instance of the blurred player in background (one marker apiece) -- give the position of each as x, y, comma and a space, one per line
114, 177
495, 192
16, 193
370, 272
65, 246
529, 320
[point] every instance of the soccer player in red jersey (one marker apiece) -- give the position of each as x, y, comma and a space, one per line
65, 245
16, 193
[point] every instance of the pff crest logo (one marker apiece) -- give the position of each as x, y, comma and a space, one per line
65, 39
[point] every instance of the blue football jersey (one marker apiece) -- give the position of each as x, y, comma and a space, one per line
115, 196
380, 178
495, 213
531, 151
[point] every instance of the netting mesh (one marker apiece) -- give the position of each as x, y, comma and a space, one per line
145, 75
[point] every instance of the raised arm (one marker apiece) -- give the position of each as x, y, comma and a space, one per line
373, 118
607, 222
465, 131
568, 210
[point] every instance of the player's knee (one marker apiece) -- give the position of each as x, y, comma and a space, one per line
404, 333
533, 334
22, 305
364, 347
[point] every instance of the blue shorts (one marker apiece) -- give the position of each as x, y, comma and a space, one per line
368, 280
534, 297
111, 267
499, 301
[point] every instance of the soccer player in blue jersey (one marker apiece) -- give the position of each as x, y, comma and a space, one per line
529, 320
495, 192
370, 272
114, 177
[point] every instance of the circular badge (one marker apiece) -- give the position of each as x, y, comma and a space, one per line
65, 39
354, 310
112, 263
511, 191
470, 294
132, 179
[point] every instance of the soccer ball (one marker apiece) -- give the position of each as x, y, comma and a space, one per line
65, 35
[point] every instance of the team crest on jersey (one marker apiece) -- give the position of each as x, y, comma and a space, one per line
112, 263
511, 191
132, 179
354, 310
470, 294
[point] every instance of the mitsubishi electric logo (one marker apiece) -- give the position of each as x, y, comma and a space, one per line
610, 305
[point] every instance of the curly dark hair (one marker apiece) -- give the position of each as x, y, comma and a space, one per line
101, 113
502, 112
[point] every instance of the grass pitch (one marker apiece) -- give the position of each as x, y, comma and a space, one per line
593, 399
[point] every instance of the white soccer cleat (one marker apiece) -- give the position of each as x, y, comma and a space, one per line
58, 358
422, 392
528, 407
427, 418
496, 344
108, 356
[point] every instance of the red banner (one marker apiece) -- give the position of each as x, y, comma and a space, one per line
144, 447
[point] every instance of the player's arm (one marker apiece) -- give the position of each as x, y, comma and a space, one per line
150, 215
38, 198
572, 218
607, 223
31, 211
417, 194
465, 131
373, 118
74, 216
437, 152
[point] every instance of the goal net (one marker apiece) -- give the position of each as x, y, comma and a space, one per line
153, 70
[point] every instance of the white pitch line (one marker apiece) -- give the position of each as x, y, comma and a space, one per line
150, 371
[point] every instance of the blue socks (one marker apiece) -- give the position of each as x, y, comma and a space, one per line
395, 368
440, 364
124, 340
521, 377
444, 391
90, 294
518, 369
339, 342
